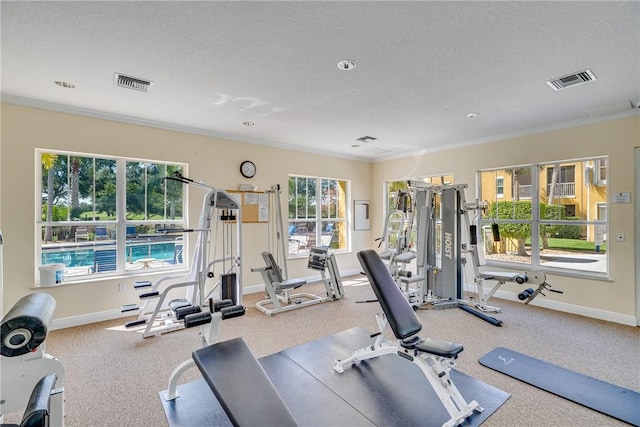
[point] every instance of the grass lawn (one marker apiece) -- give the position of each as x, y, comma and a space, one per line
574, 245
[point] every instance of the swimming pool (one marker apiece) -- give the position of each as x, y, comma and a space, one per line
81, 257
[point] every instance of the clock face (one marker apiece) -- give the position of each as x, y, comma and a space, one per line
248, 169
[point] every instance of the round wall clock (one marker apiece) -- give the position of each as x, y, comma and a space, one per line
248, 169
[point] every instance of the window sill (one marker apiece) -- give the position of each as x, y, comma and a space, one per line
116, 276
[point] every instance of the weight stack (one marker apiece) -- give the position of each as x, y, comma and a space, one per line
229, 287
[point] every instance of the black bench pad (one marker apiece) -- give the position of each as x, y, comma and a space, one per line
243, 389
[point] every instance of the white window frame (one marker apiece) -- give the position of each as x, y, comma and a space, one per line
536, 222
319, 219
123, 267
599, 166
499, 179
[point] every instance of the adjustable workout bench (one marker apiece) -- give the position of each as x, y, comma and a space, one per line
279, 290
241, 386
434, 357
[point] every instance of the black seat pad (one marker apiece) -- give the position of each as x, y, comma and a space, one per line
401, 317
440, 348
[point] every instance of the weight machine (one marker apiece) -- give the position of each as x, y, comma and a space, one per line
445, 234
161, 315
278, 286
279, 289
397, 236
24, 361
276, 242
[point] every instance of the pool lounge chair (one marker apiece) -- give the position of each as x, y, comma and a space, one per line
104, 260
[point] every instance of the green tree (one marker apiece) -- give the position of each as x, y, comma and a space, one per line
173, 191
552, 197
48, 162
302, 198
513, 210
105, 186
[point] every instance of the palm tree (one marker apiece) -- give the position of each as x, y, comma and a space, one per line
48, 161
74, 184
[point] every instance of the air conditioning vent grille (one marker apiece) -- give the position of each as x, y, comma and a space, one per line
134, 83
366, 139
571, 80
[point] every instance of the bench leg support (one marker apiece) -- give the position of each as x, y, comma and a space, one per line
436, 369
172, 391
375, 350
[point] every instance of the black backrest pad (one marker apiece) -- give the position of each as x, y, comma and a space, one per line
241, 386
401, 317
274, 269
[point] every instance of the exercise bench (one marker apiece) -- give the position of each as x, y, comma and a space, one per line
435, 358
243, 389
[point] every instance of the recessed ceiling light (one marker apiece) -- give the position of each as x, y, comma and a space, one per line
65, 85
347, 64
248, 123
472, 115
355, 145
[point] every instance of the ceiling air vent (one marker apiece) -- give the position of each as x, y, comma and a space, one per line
571, 80
132, 82
366, 139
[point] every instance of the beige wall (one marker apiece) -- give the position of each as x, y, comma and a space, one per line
216, 161
616, 139
211, 160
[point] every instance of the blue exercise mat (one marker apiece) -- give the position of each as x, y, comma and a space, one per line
617, 402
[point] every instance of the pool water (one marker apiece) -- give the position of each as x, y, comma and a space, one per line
84, 257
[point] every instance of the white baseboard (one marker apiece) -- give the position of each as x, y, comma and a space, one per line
253, 289
85, 319
564, 307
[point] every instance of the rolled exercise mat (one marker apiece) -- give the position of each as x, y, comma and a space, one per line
25, 326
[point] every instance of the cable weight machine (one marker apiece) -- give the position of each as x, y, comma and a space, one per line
446, 232
276, 243
160, 314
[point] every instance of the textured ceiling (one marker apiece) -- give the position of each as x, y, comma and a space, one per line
421, 67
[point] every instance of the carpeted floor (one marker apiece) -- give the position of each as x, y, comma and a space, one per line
113, 375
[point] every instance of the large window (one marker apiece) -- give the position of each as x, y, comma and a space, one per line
104, 216
317, 214
551, 216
